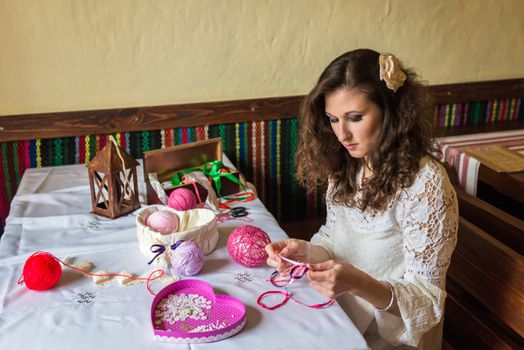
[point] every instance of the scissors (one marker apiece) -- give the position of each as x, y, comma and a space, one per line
238, 212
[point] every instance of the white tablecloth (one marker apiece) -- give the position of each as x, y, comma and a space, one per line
51, 212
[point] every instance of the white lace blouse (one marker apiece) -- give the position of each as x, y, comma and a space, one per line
409, 245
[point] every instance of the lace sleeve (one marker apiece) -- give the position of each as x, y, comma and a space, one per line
429, 224
324, 237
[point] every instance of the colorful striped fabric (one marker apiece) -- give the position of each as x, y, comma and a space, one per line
466, 165
478, 112
263, 150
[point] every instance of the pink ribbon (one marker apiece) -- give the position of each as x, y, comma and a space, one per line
297, 272
288, 296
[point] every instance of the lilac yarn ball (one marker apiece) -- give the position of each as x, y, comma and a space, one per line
187, 259
163, 221
182, 199
246, 245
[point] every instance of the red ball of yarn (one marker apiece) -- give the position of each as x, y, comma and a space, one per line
246, 245
41, 271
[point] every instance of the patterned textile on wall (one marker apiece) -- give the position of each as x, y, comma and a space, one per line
478, 112
264, 151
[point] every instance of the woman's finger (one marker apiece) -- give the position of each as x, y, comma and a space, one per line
318, 277
323, 266
275, 249
284, 269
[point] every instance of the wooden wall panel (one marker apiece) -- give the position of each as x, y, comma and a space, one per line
67, 124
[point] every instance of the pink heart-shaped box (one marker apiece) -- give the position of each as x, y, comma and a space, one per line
189, 311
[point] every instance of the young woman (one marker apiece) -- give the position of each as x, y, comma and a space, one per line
392, 214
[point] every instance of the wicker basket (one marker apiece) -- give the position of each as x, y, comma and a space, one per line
198, 225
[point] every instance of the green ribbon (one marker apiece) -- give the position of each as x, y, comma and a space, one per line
176, 180
210, 170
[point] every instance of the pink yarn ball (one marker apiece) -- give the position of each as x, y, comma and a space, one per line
246, 245
182, 199
187, 259
163, 221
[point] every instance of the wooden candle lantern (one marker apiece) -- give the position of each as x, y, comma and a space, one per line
113, 182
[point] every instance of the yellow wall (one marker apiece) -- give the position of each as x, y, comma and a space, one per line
64, 55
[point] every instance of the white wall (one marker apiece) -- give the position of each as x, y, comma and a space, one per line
68, 55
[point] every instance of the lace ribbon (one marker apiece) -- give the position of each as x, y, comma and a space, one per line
148, 279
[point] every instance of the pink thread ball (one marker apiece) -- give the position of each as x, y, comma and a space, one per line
246, 245
187, 259
182, 199
163, 221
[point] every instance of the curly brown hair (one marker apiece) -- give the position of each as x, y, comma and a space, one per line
404, 139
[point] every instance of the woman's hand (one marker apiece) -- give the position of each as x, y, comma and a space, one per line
332, 278
294, 249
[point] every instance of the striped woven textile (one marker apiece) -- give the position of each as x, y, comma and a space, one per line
264, 151
467, 166
478, 112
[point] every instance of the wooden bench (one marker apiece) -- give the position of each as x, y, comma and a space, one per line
485, 305
494, 221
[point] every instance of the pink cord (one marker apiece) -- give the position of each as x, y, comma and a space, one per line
286, 298
259, 300
297, 272
191, 181
197, 193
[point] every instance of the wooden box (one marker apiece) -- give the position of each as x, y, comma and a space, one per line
167, 162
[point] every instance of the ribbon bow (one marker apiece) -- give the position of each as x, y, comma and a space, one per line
211, 170
158, 249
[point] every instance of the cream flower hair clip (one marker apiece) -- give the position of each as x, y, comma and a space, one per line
391, 71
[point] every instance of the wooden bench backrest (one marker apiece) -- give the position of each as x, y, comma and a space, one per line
494, 221
491, 272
